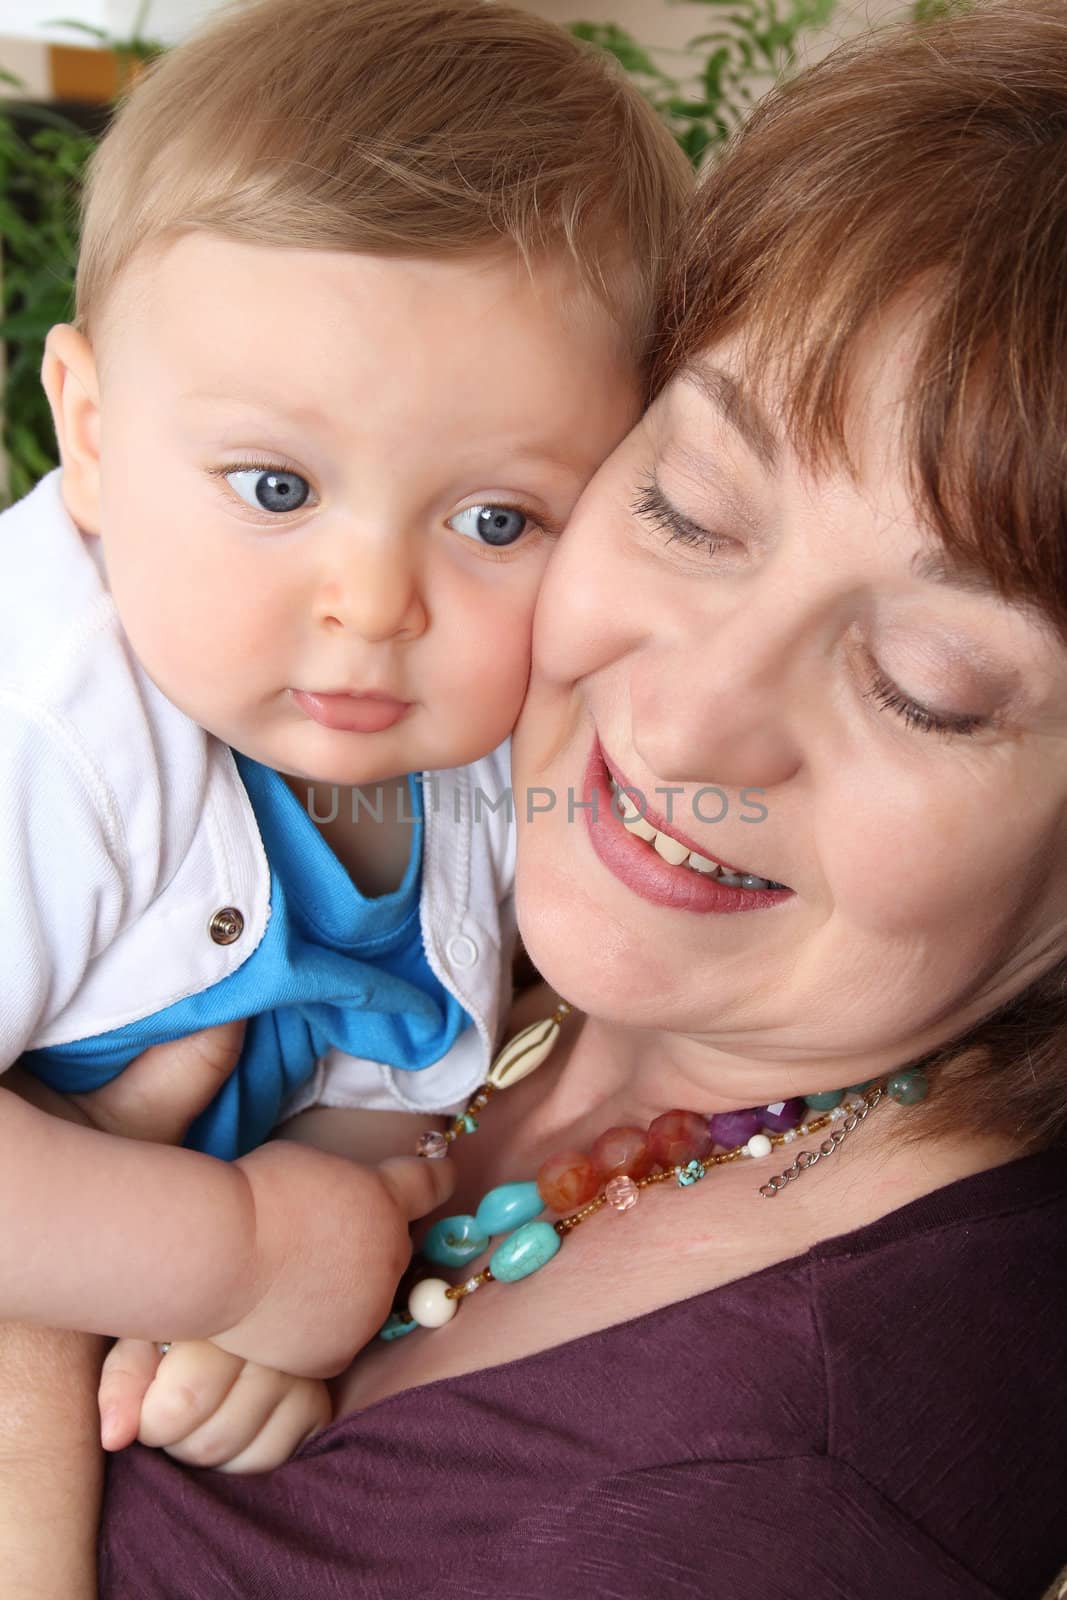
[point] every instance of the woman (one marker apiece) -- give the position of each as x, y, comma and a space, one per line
814, 611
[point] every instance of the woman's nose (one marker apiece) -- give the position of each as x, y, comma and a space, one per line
724, 708
374, 592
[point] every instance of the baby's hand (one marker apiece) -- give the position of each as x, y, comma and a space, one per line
205, 1407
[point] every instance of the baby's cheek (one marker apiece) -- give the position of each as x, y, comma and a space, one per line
508, 658
495, 670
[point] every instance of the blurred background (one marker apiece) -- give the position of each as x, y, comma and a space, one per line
63, 63
35, 44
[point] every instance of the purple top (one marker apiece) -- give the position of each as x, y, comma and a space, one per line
882, 1417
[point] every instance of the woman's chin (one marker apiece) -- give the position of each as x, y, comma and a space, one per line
591, 961
556, 940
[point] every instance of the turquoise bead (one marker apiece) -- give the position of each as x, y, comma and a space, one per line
509, 1207
907, 1088
469, 1124
692, 1172
826, 1101
454, 1241
395, 1326
523, 1251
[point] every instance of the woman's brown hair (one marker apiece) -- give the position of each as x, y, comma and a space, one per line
929, 159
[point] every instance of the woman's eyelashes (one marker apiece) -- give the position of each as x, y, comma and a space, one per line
886, 694
653, 507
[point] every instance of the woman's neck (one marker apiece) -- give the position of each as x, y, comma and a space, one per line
630, 1075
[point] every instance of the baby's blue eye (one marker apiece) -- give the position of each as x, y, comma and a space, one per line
269, 491
493, 525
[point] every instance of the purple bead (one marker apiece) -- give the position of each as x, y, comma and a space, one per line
731, 1128
781, 1115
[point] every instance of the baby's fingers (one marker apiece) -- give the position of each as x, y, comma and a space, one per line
301, 1412
192, 1383
263, 1419
128, 1370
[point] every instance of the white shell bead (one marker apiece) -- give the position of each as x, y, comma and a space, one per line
758, 1145
523, 1054
428, 1306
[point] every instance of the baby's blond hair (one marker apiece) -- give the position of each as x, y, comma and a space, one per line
389, 127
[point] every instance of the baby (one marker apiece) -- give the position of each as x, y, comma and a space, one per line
362, 300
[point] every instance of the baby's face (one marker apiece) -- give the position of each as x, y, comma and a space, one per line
329, 485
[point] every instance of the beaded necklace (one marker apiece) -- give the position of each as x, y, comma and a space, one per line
679, 1145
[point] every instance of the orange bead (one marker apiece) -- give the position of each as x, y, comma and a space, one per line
567, 1181
622, 1152
678, 1137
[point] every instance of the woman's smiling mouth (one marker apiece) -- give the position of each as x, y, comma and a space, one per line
677, 854
639, 848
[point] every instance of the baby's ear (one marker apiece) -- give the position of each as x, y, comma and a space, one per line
70, 381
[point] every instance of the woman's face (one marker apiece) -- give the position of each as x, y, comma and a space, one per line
719, 620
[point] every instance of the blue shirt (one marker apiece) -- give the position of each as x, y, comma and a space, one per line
334, 969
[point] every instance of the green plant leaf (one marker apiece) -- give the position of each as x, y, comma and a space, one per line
934, 10
47, 117
101, 35
690, 109
35, 324
136, 46
622, 45
41, 171
752, 7
697, 141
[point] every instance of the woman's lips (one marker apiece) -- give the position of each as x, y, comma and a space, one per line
660, 823
637, 865
352, 713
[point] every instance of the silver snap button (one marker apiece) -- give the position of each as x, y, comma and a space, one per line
227, 925
462, 950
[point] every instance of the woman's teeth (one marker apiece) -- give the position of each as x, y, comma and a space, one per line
679, 855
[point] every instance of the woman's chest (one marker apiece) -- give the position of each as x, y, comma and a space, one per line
614, 1268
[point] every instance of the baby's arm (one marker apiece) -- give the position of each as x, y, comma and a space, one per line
288, 1257
211, 1409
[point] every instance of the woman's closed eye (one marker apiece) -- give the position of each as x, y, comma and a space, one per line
653, 508
887, 695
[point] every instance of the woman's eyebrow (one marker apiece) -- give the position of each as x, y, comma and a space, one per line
935, 565
740, 410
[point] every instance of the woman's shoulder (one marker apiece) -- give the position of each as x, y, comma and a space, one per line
941, 1329
984, 1257
1024, 1196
